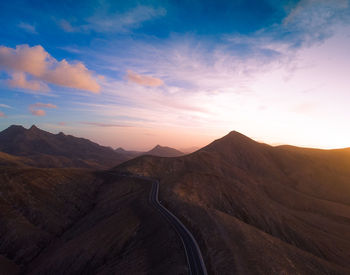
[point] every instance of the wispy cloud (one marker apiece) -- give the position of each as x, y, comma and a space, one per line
36, 110
5, 106
28, 27
43, 68
117, 22
313, 20
144, 80
101, 124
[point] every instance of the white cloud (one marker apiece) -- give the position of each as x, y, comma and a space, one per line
144, 80
19, 80
5, 106
34, 108
43, 68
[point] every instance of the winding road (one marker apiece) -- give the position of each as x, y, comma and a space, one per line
193, 253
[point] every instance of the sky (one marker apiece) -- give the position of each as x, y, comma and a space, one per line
134, 74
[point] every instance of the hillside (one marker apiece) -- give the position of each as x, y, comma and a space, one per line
258, 209
45, 149
73, 221
7, 160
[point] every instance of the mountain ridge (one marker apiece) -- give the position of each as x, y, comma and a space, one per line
56, 150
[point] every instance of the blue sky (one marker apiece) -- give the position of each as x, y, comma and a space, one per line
178, 73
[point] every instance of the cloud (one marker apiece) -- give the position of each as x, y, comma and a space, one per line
66, 26
314, 20
144, 80
39, 64
28, 27
99, 124
36, 111
2, 114
43, 105
117, 22
19, 80
5, 106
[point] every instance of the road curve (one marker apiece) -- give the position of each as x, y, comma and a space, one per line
193, 253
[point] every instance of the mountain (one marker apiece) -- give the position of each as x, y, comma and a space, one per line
259, 209
253, 209
163, 151
45, 149
159, 151
74, 220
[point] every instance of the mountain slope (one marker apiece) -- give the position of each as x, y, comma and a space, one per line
73, 221
258, 209
50, 150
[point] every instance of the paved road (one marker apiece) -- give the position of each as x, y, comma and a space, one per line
193, 253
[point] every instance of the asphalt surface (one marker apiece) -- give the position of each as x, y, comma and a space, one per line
193, 253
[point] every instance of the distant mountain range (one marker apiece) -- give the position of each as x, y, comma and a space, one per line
159, 151
43, 149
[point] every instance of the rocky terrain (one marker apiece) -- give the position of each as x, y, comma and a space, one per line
258, 209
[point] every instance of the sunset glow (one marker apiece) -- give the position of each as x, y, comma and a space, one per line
135, 74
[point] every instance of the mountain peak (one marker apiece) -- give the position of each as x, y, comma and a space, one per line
164, 151
233, 141
33, 128
235, 134
15, 127
237, 137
